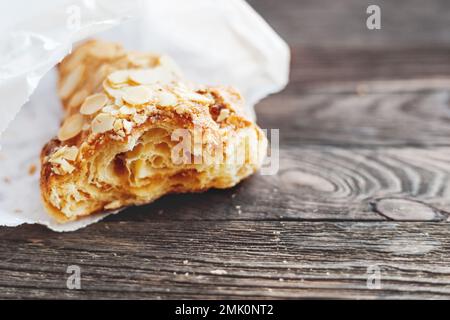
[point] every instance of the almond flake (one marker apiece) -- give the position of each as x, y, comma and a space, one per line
93, 103
63, 167
118, 102
66, 167
100, 75
136, 95
104, 50
126, 110
138, 59
151, 109
118, 77
68, 153
70, 83
139, 118
71, 127
118, 125
166, 99
77, 99
103, 123
198, 98
61, 158
111, 109
224, 114
127, 125
114, 93
151, 76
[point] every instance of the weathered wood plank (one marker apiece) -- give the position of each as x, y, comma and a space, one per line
342, 23
315, 66
371, 118
168, 259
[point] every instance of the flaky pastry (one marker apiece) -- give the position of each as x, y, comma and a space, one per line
135, 130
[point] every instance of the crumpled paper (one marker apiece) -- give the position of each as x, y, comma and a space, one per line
214, 41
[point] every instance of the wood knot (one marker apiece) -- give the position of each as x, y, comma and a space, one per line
399, 209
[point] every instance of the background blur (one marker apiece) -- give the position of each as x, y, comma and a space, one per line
330, 40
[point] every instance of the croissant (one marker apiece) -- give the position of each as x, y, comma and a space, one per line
135, 130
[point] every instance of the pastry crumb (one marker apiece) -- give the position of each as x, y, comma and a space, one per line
32, 169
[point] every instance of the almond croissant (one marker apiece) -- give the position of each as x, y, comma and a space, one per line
135, 130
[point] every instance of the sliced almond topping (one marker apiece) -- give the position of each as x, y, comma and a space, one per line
118, 128
74, 60
126, 110
68, 153
143, 76
70, 83
93, 103
114, 93
142, 60
139, 118
151, 109
61, 158
111, 109
100, 75
118, 125
71, 127
151, 76
103, 50
166, 99
127, 125
198, 98
77, 99
66, 167
224, 114
136, 95
103, 123
118, 77
138, 61
118, 102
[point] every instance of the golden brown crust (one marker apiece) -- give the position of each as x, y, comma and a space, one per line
144, 133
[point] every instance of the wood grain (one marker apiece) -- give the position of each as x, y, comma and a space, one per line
342, 23
169, 259
372, 118
314, 66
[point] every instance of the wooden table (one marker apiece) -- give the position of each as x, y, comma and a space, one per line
363, 187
